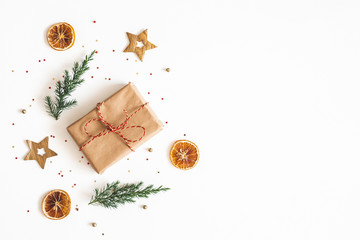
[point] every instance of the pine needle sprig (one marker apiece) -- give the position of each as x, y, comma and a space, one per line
113, 195
64, 88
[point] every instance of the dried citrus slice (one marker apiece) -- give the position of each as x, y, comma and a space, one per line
61, 36
184, 154
56, 204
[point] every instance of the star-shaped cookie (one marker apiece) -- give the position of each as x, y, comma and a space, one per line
134, 39
34, 151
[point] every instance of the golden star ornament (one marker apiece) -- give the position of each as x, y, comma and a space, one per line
34, 153
133, 45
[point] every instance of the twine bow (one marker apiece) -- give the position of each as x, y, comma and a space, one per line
112, 129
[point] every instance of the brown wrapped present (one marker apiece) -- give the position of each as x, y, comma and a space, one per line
120, 124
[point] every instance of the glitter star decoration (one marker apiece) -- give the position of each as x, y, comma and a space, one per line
39, 151
133, 45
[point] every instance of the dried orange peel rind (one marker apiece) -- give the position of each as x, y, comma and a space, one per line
61, 36
56, 204
184, 154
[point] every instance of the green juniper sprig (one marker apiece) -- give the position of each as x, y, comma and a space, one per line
65, 87
114, 195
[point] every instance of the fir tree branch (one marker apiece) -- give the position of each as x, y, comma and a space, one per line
64, 88
114, 195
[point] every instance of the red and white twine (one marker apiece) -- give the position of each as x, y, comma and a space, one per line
111, 128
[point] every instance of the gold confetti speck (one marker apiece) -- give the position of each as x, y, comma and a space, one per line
50, 161
94, 180
79, 161
29, 105
12, 70
12, 146
128, 170
82, 45
69, 170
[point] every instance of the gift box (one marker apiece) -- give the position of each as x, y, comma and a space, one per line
115, 128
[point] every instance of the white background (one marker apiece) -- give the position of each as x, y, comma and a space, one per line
269, 91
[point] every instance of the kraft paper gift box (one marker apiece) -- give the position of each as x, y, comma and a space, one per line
108, 133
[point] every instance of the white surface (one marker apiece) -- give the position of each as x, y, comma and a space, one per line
269, 90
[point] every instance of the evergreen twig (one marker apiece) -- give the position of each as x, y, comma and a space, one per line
114, 195
65, 87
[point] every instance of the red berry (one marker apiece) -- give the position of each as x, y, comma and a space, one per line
65, 140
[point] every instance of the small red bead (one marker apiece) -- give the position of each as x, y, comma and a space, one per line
13, 124
63, 76
28, 210
109, 78
49, 87
27, 71
166, 122
92, 76
82, 156
113, 50
150, 73
59, 173
62, 175
53, 136
148, 92
15, 157
94, 21
127, 59
88, 163
39, 60
96, 51
97, 67
44, 60
65, 140
147, 159
162, 98
33, 99
74, 184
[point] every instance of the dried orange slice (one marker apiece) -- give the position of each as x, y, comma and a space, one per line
56, 204
184, 154
61, 36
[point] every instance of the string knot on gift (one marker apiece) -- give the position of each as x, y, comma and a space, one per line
114, 129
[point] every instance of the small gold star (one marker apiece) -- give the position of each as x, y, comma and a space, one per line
134, 39
34, 155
